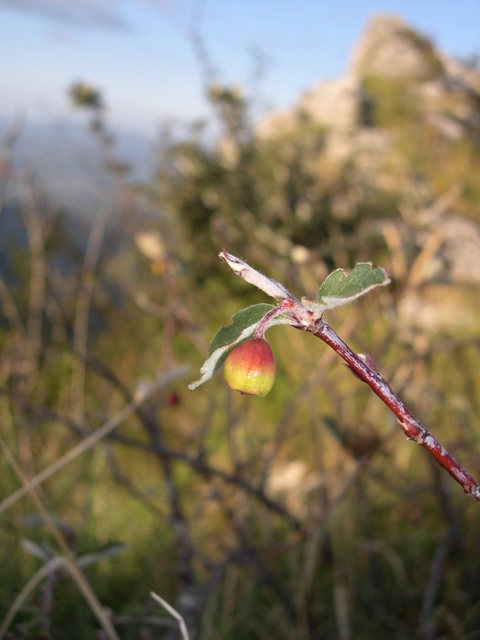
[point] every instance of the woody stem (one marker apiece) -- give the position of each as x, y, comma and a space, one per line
412, 428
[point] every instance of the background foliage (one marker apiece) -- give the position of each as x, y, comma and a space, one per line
301, 515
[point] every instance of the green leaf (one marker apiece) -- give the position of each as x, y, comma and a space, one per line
244, 319
243, 326
341, 287
363, 278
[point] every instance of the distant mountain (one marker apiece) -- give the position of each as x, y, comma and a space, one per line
68, 162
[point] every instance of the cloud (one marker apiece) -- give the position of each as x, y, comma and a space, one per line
103, 14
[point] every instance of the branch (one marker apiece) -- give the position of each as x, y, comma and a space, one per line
364, 368
339, 288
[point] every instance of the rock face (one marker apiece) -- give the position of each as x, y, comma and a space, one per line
391, 49
335, 103
404, 119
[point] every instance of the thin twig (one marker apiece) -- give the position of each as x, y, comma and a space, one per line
174, 613
45, 570
82, 312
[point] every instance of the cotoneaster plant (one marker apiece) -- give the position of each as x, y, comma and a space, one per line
250, 366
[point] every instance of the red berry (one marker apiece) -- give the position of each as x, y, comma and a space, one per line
250, 368
173, 399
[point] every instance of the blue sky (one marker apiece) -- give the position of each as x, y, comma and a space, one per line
140, 54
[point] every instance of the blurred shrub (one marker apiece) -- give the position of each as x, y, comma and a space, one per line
303, 515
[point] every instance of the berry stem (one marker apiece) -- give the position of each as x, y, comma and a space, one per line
265, 321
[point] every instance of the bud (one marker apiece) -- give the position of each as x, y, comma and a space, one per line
250, 368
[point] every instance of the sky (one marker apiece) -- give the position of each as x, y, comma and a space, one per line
142, 56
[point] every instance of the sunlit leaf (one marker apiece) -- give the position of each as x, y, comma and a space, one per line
341, 287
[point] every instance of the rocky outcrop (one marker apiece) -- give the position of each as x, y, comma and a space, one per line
391, 49
335, 103
447, 91
404, 119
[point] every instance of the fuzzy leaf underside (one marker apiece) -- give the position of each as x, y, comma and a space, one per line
243, 326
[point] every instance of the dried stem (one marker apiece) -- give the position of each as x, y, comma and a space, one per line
68, 560
82, 313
